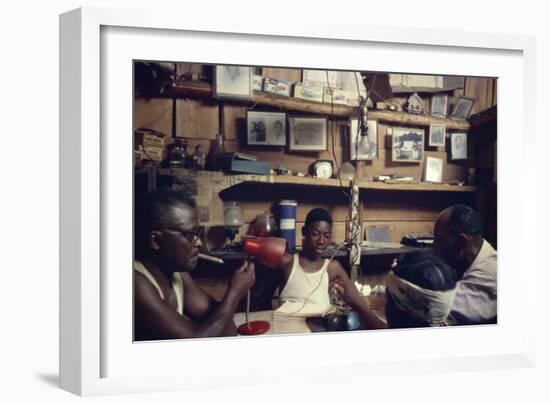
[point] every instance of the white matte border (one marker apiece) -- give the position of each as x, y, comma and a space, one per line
131, 367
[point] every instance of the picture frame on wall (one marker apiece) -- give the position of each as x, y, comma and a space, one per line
363, 148
437, 135
433, 171
462, 108
97, 355
307, 133
459, 146
232, 81
265, 128
439, 105
407, 145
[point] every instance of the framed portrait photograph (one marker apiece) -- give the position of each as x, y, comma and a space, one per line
265, 128
363, 147
433, 170
437, 135
407, 145
233, 82
104, 226
307, 133
439, 105
459, 146
462, 108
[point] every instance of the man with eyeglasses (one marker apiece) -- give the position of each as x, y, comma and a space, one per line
168, 304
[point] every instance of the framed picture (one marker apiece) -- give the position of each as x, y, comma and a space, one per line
234, 82
437, 135
307, 133
363, 147
459, 146
265, 128
462, 108
407, 144
97, 352
439, 105
433, 170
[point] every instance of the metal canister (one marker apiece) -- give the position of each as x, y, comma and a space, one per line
287, 221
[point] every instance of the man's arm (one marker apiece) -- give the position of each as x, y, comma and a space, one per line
160, 321
340, 281
476, 299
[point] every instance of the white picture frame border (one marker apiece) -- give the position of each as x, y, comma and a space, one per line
82, 182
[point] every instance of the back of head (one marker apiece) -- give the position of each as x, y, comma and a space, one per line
153, 211
465, 220
425, 270
317, 214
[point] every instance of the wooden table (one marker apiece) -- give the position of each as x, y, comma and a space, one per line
286, 324
278, 324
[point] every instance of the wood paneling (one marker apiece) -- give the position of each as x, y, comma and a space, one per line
153, 114
196, 119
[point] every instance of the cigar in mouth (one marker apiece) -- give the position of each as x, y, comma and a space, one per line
209, 258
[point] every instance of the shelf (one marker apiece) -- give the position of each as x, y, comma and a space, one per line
368, 185
228, 181
238, 254
421, 187
203, 90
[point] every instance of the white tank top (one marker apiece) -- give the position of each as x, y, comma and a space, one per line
302, 285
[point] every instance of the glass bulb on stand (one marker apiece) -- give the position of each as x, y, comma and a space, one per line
264, 225
232, 220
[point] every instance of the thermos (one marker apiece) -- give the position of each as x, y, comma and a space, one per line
287, 224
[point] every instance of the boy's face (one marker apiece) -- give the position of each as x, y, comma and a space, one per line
318, 235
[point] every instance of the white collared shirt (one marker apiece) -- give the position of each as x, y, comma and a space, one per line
476, 294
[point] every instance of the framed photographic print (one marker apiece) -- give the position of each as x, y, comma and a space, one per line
437, 135
439, 105
462, 108
433, 170
363, 147
98, 354
307, 133
265, 128
407, 144
459, 146
233, 82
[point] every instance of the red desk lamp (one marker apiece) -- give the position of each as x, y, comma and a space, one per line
270, 252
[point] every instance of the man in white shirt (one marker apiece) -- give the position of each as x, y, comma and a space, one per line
459, 242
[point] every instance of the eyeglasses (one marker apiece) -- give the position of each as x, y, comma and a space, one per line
191, 236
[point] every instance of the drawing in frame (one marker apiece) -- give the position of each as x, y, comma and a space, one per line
83, 352
407, 145
307, 133
439, 105
459, 146
363, 148
233, 82
462, 108
265, 128
437, 135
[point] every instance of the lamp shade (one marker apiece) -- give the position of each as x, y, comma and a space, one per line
268, 251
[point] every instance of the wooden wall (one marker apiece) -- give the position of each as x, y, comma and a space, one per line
402, 212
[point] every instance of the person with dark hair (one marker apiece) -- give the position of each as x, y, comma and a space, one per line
459, 242
420, 289
305, 276
167, 302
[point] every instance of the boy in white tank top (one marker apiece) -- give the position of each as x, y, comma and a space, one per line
306, 275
